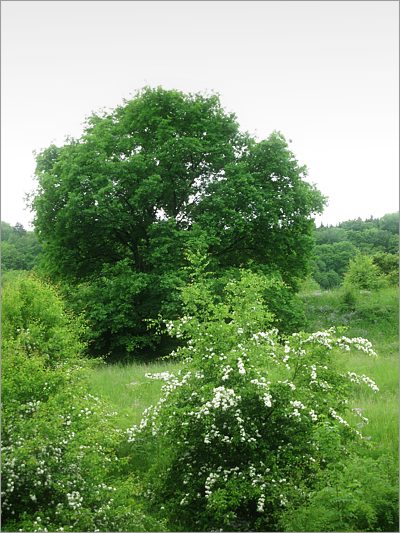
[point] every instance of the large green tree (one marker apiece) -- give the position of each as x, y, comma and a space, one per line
116, 209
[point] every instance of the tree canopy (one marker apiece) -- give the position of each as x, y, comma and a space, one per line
164, 171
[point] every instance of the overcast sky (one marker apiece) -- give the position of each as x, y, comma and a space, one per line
323, 73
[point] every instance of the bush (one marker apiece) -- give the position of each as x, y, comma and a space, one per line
328, 280
114, 305
348, 297
362, 273
34, 316
59, 448
309, 285
286, 308
250, 422
359, 494
388, 265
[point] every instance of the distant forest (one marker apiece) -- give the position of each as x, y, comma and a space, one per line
20, 248
334, 247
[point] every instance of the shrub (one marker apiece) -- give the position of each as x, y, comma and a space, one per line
359, 494
114, 305
388, 265
362, 273
286, 308
60, 464
309, 285
348, 297
252, 419
35, 317
328, 280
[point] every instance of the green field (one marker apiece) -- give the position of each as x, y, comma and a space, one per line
66, 421
128, 392
375, 318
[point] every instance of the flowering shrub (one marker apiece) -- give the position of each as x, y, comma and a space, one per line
251, 420
60, 464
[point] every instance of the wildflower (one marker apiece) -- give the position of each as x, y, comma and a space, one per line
242, 370
313, 415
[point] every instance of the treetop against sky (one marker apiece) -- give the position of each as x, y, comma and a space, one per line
323, 73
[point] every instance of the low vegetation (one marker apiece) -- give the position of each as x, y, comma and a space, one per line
59, 442
79, 431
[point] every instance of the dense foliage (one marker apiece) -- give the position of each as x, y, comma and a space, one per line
59, 444
362, 273
116, 209
19, 248
337, 245
245, 430
360, 494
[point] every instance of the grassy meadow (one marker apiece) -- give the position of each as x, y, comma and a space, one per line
128, 392
68, 421
374, 317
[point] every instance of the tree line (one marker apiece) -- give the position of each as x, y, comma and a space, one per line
335, 246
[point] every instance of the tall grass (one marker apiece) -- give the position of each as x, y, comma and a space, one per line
375, 317
127, 390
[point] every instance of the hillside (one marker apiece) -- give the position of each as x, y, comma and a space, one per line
336, 245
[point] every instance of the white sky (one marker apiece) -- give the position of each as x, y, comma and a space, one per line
323, 73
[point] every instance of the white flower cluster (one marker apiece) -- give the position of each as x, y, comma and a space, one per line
85, 412
337, 417
163, 376
150, 415
283, 501
291, 385
266, 336
175, 328
326, 338
170, 326
241, 367
261, 382
214, 433
223, 474
212, 478
223, 399
74, 499
226, 371
267, 399
261, 503
359, 343
313, 372
358, 411
356, 378
296, 404
321, 337
30, 407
